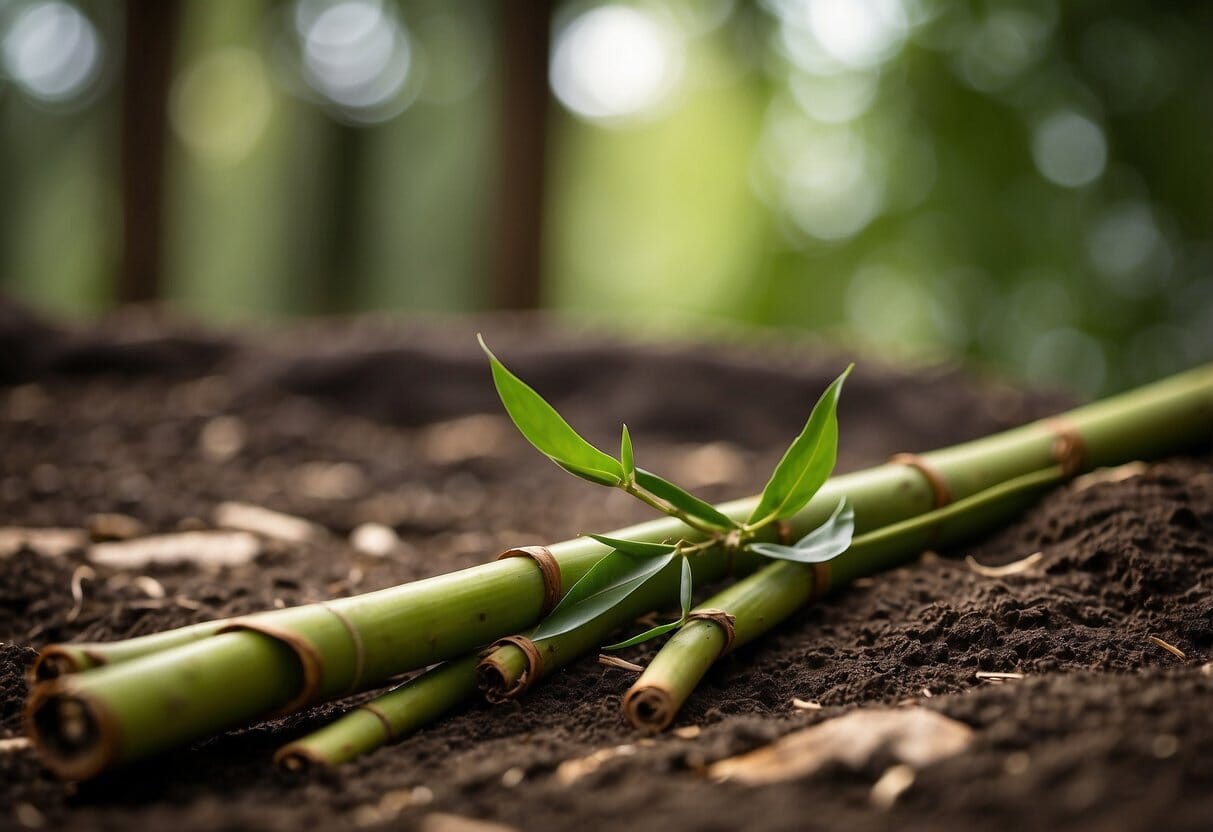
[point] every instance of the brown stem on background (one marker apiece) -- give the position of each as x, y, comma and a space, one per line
147, 70
525, 32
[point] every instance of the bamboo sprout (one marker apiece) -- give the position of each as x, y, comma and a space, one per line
761, 601
148, 696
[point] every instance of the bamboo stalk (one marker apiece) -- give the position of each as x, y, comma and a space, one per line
761, 601
82, 723
385, 718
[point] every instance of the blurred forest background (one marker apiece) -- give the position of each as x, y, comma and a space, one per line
1023, 183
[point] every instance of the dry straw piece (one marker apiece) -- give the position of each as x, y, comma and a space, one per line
1017, 567
1170, 648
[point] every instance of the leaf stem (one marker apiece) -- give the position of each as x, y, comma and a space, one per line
648, 499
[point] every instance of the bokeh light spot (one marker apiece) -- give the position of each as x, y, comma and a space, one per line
221, 105
1069, 150
52, 51
356, 54
615, 63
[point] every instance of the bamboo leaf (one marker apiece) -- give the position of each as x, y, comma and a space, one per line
647, 635
826, 542
806, 464
636, 548
683, 501
684, 589
607, 584
544, 428
626, 457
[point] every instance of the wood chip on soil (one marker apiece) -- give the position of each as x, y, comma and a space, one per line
202, 548
913, 736
265, 522
1017, 567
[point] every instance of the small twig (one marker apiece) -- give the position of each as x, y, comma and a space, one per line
1170, 648
82, 574
621, 664
1013, 568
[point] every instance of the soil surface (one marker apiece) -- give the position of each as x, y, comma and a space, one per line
348, 422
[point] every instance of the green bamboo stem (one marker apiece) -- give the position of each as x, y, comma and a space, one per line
362, 641
761, 601
384, 719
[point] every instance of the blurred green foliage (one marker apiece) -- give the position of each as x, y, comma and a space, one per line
1022, 183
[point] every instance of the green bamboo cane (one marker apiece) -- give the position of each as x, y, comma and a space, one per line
756, 604
385, 718
132, 706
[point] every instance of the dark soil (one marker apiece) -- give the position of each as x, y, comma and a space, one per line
1106, 730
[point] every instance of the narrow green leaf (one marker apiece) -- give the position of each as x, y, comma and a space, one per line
684, 589
826, 542
683, 501
806, 464
544, 428
607, 584
637, 548
647, 635
626, 456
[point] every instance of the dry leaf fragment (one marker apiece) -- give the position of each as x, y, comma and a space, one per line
805, 705
914, 736
1170, 648
443, 822
203, 548
265, 522
1117, 474
570, 771
687, 732
10, 745
50, 543
890, 786
1014, 568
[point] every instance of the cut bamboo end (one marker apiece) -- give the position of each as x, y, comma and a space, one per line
499, 682
509, 668
649, 708
75, 735
298, 758
61, 660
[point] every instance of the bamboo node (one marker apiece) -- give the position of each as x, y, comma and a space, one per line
549, 568
359, 649
1068, 449
722, 619
821, 581
939, 486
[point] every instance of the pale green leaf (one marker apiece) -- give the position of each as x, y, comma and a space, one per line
806, 464
826, 542
608, 583
647, 635
637, 548
626, 457
544, 428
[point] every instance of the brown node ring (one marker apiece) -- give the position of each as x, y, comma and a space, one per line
939, 486
722, 619
821, 581
493, 681
75, 735
305, 652
1068, 449
549, 568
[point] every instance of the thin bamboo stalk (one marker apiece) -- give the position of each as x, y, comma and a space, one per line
358, 642
758, 603
385, 718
